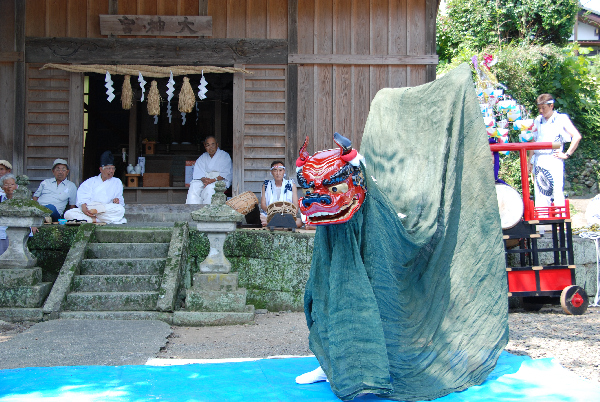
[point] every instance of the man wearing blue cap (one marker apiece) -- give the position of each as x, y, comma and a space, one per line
100, 198
59, 193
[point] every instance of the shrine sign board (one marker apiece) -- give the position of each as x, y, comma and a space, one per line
155, 25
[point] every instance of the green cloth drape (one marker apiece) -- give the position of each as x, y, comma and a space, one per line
414, 308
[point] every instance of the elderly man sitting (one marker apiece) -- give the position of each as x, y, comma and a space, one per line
57, 194
5, 168
211, 166
100, 198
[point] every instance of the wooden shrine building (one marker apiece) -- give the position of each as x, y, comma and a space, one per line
304, 68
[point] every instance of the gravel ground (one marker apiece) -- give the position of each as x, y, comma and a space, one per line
573, 340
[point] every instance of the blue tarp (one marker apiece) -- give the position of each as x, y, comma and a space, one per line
514, 378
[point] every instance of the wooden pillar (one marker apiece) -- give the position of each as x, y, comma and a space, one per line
237, 186
292, 89
18, 159
431, 9
132, 157
76, 127
217, 118
202, 7
8, 58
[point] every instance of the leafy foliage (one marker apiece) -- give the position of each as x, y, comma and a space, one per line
476, 24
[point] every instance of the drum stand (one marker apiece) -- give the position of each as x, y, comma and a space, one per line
535, 283
595, 236
282, 222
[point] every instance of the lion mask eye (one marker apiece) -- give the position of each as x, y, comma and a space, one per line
307, 191
339, 188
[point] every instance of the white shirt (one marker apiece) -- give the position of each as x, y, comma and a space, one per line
96, 190
220, 163
286, 191
58, 195
552, 130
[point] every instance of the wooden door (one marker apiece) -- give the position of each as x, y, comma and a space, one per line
53, 122
259, 125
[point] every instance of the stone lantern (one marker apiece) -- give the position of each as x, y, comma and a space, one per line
20, 279
215, 291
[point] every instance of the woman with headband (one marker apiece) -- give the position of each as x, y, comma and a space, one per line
547, 165
278, 189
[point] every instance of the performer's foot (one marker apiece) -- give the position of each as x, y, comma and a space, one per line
316, 375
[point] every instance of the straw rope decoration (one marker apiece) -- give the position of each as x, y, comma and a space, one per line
126, 93
147, 71
187, 99
153, 99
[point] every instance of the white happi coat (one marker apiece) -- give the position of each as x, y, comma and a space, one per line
99, 195
219, 165
549, 170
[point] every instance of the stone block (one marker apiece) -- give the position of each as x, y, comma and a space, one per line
117, 315
200, 319
211, 300
276, 300
217, 282
249, 243
21, 314
116, 283
129, 266
16, 277
25, 296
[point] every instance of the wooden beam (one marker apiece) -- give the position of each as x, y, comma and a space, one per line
156, 51
362, 59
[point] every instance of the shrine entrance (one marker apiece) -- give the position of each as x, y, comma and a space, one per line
175, 141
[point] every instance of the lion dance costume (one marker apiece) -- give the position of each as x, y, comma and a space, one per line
407, 308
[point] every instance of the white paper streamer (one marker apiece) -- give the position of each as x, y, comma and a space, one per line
156, 119
142, 82
109, 87
183, 118
170, 92
197, 112
202, 87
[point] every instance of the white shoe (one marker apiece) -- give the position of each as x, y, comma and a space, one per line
311, 377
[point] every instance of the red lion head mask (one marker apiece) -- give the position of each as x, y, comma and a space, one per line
332, 181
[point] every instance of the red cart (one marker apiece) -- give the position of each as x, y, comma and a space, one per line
534, 283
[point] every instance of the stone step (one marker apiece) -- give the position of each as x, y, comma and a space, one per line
113, 301
25, 296
111, 234
200, 319
116, 283
127, 250
132, 266
117, 315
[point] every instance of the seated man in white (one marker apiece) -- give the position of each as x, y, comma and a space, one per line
215, 164
100, 198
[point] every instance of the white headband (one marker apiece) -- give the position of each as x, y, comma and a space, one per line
550, 102
278, 167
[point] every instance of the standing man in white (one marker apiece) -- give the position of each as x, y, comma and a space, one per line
547, 165
100, 198
215, 164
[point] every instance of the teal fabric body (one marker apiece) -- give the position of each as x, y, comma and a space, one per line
415, 308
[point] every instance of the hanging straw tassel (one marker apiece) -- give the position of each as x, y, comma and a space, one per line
126, 93
187, 99
153, 99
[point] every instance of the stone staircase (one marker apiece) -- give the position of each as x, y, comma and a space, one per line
120, 276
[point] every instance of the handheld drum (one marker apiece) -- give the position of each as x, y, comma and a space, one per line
243, 203
510, 205
281, 207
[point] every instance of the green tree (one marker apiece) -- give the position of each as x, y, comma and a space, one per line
476, 24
